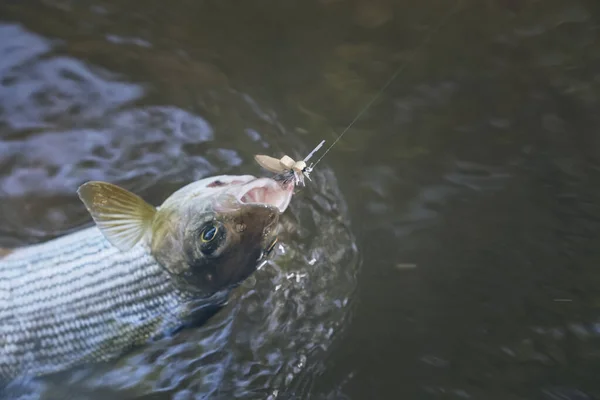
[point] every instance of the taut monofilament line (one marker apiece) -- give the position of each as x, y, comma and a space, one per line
298, 170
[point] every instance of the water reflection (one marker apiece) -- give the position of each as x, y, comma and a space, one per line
40, 92
478, 168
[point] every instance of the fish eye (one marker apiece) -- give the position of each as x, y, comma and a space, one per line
211, 237
209, 233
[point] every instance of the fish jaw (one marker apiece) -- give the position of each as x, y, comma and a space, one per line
264, 192
267, 192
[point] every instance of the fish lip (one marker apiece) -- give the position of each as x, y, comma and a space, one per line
266, 192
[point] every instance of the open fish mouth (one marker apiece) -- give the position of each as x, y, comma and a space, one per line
266, 191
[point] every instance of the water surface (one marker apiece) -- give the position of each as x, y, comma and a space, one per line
448, 245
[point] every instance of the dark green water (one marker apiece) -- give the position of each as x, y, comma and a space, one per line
448, 247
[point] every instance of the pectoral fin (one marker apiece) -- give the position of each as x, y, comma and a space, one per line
122, 217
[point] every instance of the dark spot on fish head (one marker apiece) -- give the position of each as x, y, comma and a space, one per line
216, 183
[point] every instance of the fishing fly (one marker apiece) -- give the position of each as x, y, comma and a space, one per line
287, 165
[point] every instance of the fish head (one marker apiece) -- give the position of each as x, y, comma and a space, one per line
211, 234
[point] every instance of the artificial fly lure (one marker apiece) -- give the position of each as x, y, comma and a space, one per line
287, 166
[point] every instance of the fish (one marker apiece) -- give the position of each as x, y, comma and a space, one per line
137, 273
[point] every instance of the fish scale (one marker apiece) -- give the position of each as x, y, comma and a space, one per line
102, 302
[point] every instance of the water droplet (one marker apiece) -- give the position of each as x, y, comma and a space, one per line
289, 378
302, 361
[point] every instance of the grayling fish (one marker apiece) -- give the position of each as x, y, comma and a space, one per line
91, 295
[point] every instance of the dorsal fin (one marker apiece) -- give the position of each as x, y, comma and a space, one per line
122, 217
4, 252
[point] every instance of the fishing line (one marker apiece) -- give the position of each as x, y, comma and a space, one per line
380, 92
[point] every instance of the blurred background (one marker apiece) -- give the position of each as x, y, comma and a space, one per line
447, 247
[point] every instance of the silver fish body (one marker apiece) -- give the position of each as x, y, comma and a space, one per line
78, 299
